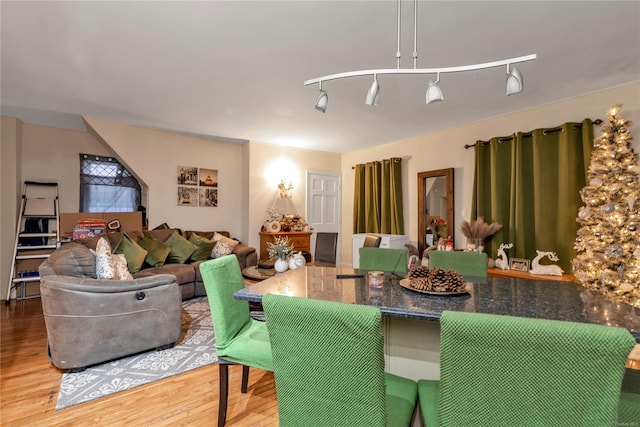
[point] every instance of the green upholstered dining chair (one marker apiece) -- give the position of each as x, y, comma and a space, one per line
514, 371
328, 362
464, 263
384, 259
239, 338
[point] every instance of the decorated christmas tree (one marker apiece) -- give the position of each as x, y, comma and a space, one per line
608, 241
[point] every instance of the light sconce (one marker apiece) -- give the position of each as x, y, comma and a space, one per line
434, 93
286, 191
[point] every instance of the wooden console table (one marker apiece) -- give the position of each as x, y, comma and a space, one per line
496, 272
301, 241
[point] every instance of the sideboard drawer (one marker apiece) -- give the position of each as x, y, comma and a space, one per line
301, 241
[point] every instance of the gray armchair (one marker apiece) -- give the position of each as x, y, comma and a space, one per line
90, 321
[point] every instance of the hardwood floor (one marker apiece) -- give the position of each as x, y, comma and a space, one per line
29, 386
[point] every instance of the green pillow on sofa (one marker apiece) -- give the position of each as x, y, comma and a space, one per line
205, 246
157, 252
181, 249
133, 252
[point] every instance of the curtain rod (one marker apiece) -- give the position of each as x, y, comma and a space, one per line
596, 122
395, 160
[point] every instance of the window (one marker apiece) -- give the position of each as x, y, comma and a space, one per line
107, 186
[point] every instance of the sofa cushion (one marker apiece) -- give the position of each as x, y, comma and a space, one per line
133, 252
204, 247
73, 259
181, 249
184, 273
157, 251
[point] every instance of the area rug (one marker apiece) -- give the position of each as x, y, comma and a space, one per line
195, 348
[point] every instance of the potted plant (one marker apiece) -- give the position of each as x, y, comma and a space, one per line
280, 250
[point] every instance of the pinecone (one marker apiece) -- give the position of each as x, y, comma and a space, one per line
436, 280
419, 278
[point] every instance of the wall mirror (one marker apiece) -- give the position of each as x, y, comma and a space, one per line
435, 206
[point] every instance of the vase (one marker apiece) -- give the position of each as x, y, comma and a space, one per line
281, 265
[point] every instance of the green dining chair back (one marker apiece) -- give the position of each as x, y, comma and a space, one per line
384, 259
464, 263
239, 338
504, 371
328, 364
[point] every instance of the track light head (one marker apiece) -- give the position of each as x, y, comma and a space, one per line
434, 93
372, 95
322, 100
514, 81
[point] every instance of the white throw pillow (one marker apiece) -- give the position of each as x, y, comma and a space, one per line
105, 267
221, 249
108, 265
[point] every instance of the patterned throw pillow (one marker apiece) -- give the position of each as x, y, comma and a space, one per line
221, 238
108, 265
221, 249
105, 267
120, 264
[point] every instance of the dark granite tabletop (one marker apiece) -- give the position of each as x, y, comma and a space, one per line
508, 296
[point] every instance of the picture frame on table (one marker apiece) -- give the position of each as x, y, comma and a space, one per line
519, 264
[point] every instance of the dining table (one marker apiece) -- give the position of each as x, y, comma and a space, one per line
411, 317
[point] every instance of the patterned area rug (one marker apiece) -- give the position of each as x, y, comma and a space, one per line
195, 348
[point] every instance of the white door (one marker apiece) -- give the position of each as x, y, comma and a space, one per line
323, 205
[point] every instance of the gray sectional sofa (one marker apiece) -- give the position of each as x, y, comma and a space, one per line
92, 320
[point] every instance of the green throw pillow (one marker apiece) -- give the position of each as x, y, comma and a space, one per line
181, 249
157, 251
133, 252
204, 247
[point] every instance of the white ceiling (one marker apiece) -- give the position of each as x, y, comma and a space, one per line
235, 69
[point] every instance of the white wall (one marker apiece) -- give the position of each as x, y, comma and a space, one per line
10, 169
52, 154
154, 156
445, 149
263, 195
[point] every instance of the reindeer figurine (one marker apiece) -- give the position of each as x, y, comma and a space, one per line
551, 270
503, 263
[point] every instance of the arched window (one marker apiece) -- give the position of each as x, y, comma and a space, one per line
106, 185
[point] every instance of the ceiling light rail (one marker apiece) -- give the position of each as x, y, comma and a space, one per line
434, 93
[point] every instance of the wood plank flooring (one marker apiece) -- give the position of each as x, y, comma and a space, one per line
29, 386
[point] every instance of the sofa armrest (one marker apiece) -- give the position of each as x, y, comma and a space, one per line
100, 286
247, 255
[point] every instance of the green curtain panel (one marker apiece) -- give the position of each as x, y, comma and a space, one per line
377, 205
530, 183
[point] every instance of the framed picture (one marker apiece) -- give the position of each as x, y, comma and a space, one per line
187, 196
188, 175
519, 264
208, 197
208, 177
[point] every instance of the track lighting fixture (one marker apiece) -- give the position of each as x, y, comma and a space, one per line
323, 99
514, 81
372, 95
434, 93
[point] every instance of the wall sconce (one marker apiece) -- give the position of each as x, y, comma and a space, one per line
285, 190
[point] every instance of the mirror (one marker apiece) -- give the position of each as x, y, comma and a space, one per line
435, 207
